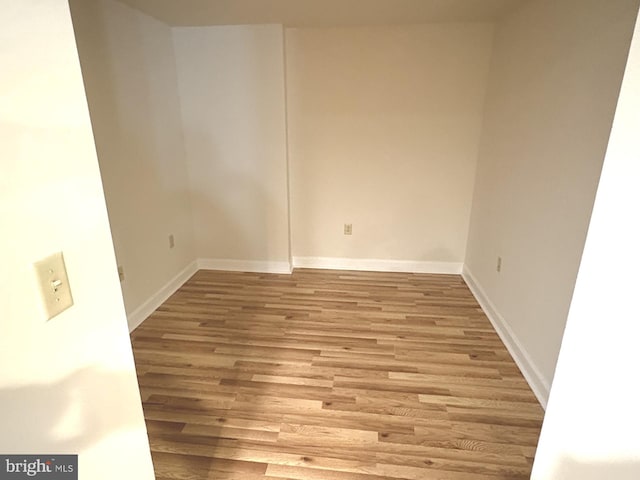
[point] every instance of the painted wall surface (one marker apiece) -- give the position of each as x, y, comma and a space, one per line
328, 13
590, 430
67, 385
555, 78
231, 83
384, 125
129, 73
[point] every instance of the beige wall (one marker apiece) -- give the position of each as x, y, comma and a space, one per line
384, 124
591, 426
130, 76
67, 385
555, 77
231, 82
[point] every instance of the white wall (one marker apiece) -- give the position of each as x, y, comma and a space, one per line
384, 125
555, 77
129, 72
591, 425
67, 385
231, 83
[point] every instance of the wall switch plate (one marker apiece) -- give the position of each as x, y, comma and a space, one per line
54, 285
348, 229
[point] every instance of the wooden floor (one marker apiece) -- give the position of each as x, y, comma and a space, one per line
329, 375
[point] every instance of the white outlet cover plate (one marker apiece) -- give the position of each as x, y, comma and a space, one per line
55, 290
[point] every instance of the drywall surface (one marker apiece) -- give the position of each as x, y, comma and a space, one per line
231, 83
328, 13
384, 125
555, 78
129, 73
590, 430
67, 385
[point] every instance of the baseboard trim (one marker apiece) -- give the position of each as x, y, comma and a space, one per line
376, 265
530, 371
258, 266
140, 314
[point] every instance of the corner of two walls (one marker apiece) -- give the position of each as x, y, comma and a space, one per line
129, 73
382, 133
190, 132
378, 117
384, 126
377, 127
555, 78
232, 97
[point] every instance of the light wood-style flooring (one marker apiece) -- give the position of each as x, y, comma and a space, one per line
331, 375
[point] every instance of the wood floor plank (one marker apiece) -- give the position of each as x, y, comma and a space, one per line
331, 375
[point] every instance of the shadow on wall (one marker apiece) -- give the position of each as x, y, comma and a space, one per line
68, 415
237, 201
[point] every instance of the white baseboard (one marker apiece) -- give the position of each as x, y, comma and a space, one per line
258, 266
375, 265
331, 263
538, 383
140, 314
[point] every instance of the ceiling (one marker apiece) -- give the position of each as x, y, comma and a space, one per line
322, 13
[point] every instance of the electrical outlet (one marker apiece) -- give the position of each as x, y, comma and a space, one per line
121, 273
499, 265
172, 241
54, 285
348, 229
